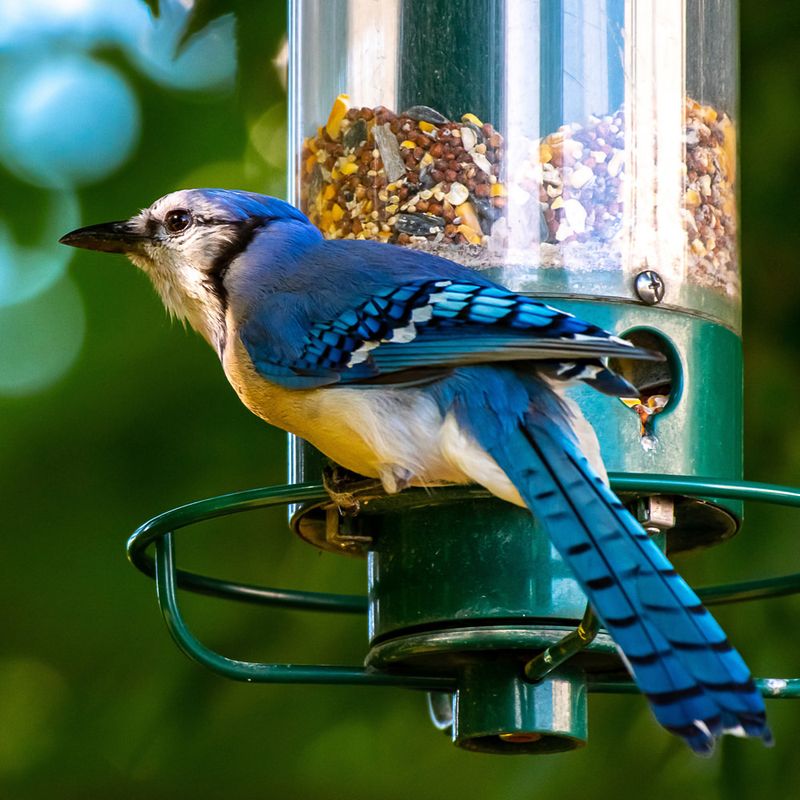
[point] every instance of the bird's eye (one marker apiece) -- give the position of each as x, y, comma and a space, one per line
178, 220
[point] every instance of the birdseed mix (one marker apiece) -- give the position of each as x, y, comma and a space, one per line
419, 179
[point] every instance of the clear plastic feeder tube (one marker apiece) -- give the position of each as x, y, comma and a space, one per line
564, 146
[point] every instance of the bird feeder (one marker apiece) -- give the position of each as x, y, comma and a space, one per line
581, 152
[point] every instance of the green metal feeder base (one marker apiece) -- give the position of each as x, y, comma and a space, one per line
477, 601
497, 711
496, 708
508, 667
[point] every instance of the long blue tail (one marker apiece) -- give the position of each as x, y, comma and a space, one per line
698, 685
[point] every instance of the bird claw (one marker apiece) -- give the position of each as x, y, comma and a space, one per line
345, 488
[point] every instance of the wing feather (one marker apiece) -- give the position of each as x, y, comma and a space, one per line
437, 325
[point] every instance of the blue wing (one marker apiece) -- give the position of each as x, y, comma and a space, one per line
418, 330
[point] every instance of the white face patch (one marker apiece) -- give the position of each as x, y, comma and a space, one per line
179, 264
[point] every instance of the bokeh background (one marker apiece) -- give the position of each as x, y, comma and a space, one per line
110, 413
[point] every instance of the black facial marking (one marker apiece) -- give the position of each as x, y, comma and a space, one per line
151, 227
243, 233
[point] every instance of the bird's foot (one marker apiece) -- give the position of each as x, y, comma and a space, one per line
345, 487
346, 490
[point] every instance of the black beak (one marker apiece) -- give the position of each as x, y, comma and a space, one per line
110, 237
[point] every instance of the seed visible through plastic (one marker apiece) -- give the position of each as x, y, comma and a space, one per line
421, 180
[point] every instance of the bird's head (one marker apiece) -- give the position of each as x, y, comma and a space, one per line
187, 242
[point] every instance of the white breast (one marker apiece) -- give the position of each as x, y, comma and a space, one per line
397, 435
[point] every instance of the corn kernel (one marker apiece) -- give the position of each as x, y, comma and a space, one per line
497, 190
729, 146
691, 198
426, 127
473, 119
329, 192
349, 168
408, 144
469, 234
339, 109
337, 212
468, 217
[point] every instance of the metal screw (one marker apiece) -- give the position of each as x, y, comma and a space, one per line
649, 287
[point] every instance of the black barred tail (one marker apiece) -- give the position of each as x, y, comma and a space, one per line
697, 683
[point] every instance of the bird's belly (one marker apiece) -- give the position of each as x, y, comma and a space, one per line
387, 432
398, 435
362, 429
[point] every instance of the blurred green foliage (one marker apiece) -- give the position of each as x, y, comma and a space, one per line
94, 699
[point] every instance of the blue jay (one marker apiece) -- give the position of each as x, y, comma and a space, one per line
416, 370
